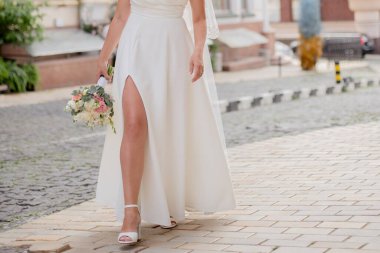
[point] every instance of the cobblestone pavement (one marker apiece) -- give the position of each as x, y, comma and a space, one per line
300, 116
37, 142
317, 192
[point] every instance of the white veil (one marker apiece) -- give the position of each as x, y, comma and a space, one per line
208, 74
212, 24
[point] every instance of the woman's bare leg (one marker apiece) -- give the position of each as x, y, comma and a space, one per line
132, 152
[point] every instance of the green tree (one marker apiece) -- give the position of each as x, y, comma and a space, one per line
20, 22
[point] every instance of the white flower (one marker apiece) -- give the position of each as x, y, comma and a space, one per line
90, 105
71, 104
83, 117
80, 103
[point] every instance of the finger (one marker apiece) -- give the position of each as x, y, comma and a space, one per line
106, 76
191, 67
98, 74
197, 74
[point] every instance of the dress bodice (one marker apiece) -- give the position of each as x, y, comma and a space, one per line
165, 8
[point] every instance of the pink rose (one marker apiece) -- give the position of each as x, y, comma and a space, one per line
102, 107
77, 97
98, 98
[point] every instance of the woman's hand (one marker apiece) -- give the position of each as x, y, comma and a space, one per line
102, 69
196, 65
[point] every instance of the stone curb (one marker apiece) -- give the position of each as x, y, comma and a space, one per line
269, 98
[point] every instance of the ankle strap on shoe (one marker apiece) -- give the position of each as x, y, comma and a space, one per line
131, 205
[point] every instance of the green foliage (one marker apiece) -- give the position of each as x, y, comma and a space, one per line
33, 76
213, 49
3, 71
20, 22
90, 28
18, 78
110, 70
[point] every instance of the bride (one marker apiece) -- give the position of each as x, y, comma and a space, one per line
168, 155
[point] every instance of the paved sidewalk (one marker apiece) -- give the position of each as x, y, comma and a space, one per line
290, 70
317, 192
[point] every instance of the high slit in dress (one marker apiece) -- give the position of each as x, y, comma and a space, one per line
185, 164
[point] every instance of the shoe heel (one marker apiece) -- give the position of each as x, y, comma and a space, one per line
139, 232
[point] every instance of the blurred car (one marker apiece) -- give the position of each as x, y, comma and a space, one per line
367, 44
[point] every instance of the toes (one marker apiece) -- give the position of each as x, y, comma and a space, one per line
125, 238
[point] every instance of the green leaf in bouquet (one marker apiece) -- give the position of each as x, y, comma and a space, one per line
86, 98
75, 92
108, 102
92, 89
110, 70
100, 91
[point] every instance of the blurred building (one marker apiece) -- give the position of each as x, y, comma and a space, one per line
331, 10
249, 29
240, 20
246, 39
336, 17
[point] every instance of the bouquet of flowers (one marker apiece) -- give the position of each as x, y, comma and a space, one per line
92, 106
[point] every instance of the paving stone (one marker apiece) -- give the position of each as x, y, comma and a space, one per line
41, 237
241, 241
275, 236
294, 224
250, 248
204, 246
163, 250
352, 251
326, 238
309, 231
201, 239
230, 234
299, 250
337, 245
51, 247
290, 243
371, 246
341, 224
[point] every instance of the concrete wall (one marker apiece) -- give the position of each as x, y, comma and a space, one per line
66, 13
336, 10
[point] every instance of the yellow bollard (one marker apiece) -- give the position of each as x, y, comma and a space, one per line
338, 77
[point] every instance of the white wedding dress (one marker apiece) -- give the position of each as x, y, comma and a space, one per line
186, 165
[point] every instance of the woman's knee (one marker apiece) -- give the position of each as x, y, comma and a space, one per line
135, 127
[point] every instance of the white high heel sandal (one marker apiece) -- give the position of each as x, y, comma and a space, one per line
173, 223
134, 235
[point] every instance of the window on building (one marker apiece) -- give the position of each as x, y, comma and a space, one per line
296, 9
222, 7
274, 10
248, 8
